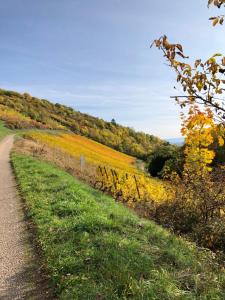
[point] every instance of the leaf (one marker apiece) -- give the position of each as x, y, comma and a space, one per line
221, 20
166, 44
179, 47
215, 22
221, 141
210, 2
181, 54
217, 54
223, 61
197, 63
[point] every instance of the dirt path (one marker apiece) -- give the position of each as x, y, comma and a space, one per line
19, 276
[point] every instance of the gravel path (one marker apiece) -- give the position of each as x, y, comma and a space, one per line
19, 274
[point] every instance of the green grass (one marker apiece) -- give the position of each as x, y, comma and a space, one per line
96, 248
3, 130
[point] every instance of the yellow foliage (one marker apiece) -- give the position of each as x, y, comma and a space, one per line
116, 172
131, 188
93, 152
15, 119
199, 130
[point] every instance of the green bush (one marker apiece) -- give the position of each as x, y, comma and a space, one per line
165, 157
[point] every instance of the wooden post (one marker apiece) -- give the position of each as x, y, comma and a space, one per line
106, 173
82, 163
135, 179
114, 181
116, 175
100, 169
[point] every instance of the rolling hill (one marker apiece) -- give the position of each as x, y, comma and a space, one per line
24, 111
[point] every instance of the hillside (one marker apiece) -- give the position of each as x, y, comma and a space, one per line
104, 168
24, 111
92, 151
96, 248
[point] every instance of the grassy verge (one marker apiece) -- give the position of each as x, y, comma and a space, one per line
97, 249
3, 130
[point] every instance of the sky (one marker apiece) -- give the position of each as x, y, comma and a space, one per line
94, 55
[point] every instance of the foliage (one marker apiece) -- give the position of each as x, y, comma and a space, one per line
134, 189
218, 19
56, 116
200, 130
15, 120
97, 249
105, 169
167, 157
197, 208
199, 196
219, 156
217, 3
92, 151
202, 83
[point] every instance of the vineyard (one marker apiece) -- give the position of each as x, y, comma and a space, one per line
108, 170
130, 188
93, 152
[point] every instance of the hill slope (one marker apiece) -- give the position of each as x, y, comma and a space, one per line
25, 111
92, 151
97, 249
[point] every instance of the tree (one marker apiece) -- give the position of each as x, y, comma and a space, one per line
113, 121
199, 130
160, 156
198, 201
204, 81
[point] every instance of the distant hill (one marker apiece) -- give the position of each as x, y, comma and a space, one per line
24, 111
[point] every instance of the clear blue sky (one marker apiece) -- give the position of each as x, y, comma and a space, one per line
94, 55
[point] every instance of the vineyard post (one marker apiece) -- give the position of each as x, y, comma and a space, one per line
116, 175
135, 179
100, 169
113, 176
102, 176
117, 180
82, 163
106, 173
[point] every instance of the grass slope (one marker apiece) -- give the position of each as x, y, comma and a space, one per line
96, 248
3, 131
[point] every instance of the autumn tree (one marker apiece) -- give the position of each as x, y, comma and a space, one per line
199, 195
202, 82
219, 4
199, 130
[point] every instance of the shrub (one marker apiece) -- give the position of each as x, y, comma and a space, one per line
169, 156
197, 208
